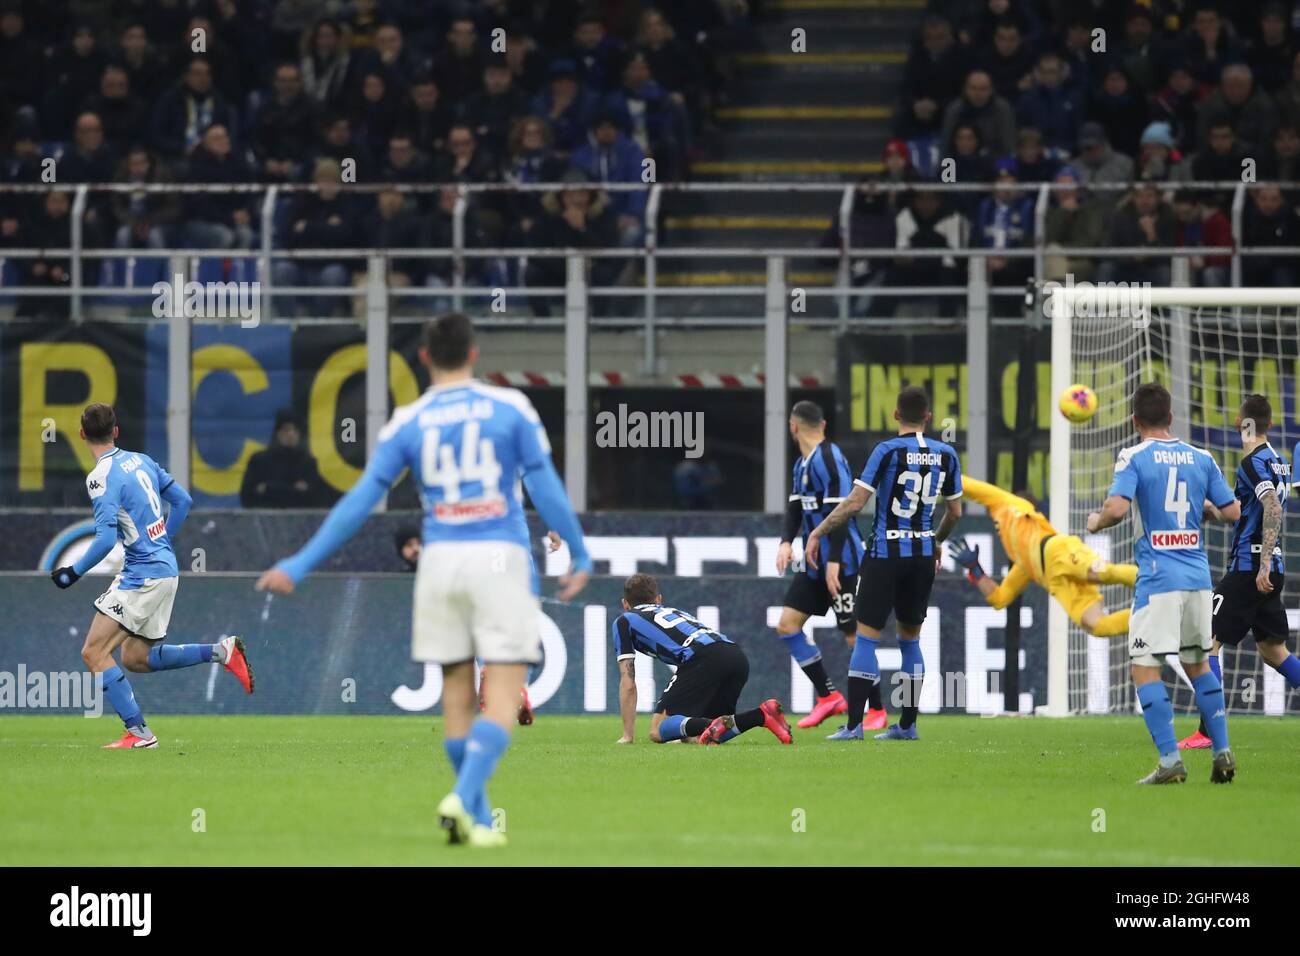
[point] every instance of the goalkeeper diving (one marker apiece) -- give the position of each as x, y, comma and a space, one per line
1067, 568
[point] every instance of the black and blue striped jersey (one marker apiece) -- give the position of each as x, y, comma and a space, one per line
663, 632
1261, 471
822, 481
908, 475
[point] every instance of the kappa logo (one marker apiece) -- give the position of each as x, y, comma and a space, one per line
116, 609
1139, 644
94, 485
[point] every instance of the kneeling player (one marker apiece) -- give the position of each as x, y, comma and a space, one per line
1062, 564
822, 479
1249, 596
699, 702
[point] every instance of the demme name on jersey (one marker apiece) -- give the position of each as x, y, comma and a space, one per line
1162, 457
1175, 540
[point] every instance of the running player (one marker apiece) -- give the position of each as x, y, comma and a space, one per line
908, 474
699, 703
1061, 563
469, 446
1249, 596
1171, 481
127, 490
822, 479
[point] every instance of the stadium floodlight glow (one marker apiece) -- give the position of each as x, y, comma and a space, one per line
1210, 348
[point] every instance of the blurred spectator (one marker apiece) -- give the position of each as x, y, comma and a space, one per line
673, 63
463, 161
1139, 55
491, 111
978, 26
405, 163
125, 116
1033, 165
189, 108
1271, 53
72, 73
1250, 111
217, 220
284, 126
1005, 221
1208, 47
697, 485
1120, 109
1051, 105
336, 141
1176, 104
1077, 51
290, 21
1288, 97
530, 159
1283, 163
144, 68
1201, 223
1097, 162
458, 66
1075, 220
1222, 160
1269, 221
566, 105
572, 218
971, 164
408, 541
1158, 157
987, 111
327, 64
22, 64
926, 223
650, 118
1141, 219
325, 219
596, 53
391, 58
424, 116
936, 69
144, 219
91, 160
611, 157
50, 228
285, 474
374, 109
393, 224
1008, 60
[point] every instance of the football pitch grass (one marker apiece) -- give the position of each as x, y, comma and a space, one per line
361, 791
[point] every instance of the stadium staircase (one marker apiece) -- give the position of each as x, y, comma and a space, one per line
821, 115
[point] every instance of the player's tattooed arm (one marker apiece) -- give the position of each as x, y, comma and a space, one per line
627, 698
1270, 529
846, 509
951, 515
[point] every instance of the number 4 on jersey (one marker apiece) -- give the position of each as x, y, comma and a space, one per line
477, 462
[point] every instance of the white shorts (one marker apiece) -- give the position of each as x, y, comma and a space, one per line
1173, 622
475, 599
144, 611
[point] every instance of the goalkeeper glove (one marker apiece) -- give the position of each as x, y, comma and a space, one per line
968, 557
64, 577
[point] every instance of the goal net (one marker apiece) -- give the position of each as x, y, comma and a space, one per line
1210, 348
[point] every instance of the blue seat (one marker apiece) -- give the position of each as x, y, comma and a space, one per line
130, 272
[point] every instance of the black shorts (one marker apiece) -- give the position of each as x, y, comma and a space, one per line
707, 685
898, 585
1239, 607
809, 596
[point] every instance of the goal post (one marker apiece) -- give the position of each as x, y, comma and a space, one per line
1210, 348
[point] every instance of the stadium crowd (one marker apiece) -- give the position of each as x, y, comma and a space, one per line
287, 91
1140, 96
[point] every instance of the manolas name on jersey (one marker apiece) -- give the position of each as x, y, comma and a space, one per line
466, 445
1170, 481
126, 489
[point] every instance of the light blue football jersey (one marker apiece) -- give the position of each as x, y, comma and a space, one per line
467, 445
1169, 481
126, 489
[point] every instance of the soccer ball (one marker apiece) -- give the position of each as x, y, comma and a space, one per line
1078, 403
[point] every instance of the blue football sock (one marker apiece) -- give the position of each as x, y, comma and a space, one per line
670, 728
484, 747
455, 747
1214, 710
801, 648
164, 657
1215, 666
117, 689
914, 667
1290, 669
1159, 716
